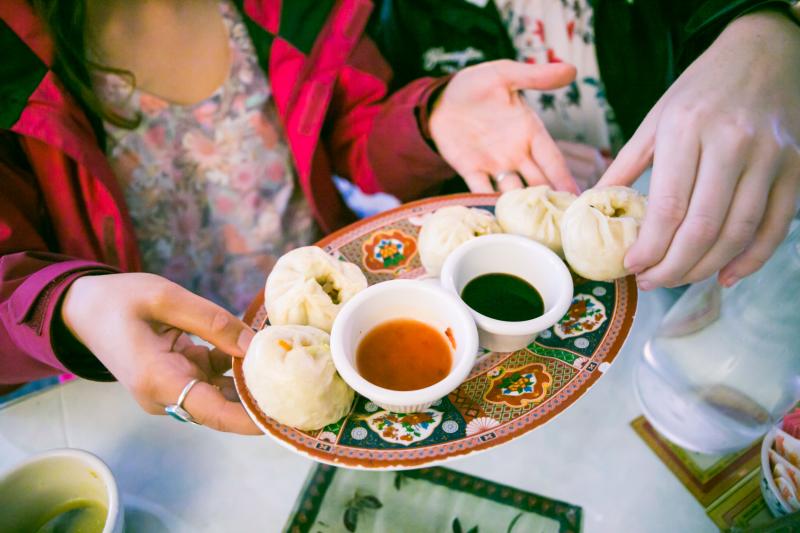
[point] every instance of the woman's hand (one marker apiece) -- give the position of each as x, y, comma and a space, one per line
724, 142
137, 325
483, 128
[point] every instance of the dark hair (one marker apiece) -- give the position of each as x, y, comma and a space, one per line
65, 20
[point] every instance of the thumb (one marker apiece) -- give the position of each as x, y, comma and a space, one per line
636, 155
540, 77
182, 309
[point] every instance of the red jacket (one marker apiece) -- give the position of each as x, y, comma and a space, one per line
62, 213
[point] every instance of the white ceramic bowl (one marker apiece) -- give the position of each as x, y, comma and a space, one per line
521, 257
45, 481
775, 502
418, 300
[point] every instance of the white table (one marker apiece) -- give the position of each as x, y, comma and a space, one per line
194, 479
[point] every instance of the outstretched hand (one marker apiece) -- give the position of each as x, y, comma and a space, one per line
483, 127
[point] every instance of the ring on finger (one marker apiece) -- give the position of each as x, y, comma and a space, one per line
177, 411
498, 178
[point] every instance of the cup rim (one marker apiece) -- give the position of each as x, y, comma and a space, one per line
503, 327
93, 462
466, 348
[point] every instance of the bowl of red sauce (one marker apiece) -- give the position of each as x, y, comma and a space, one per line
404, 344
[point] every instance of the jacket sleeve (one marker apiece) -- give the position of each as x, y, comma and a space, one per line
378, 140
33, 279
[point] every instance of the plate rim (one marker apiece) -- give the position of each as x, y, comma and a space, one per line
365, 463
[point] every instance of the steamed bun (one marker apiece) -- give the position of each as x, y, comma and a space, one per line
290, 374
534, 212
598, 228
443, 231
308, 287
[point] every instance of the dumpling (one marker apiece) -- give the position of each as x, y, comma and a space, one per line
598, 228
443, 231
534, 212
290, 374
308, 287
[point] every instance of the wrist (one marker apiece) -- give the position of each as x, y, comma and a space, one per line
68, 320
427, 110
78, 305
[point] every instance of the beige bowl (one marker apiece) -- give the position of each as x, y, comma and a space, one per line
49, 480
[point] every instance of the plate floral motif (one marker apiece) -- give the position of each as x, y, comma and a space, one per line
404, 428
327, 436
518, 387
586, 314
389, 251
483, 412
481, 425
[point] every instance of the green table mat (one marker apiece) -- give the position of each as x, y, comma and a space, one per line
430, 499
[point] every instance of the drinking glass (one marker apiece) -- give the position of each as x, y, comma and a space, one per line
724, 366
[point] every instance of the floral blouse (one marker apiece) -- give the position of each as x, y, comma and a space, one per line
550, 31
210, 186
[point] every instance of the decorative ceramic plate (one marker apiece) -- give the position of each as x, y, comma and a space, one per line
505, 396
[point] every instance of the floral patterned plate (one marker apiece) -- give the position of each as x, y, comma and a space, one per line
505, 396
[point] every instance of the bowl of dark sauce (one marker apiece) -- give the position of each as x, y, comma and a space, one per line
514, 287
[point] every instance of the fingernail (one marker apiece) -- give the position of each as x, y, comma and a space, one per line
729, 281
245, 337
645, 285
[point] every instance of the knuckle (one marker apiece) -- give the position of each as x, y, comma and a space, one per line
702, 229
741, 232
735, 134
689, 114
219, 321
160, 294
668, 208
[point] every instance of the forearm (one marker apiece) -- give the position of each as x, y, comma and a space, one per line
772, 31
700, 23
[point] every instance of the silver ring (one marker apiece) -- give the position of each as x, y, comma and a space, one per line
177, 411
503, 175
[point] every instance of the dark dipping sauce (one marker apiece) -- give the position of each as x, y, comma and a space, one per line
404, 354
503, 297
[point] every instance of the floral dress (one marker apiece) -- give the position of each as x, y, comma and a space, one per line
550, 31
210, 186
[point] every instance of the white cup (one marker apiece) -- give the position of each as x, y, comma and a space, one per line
417, 300
521, 257
48, 481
